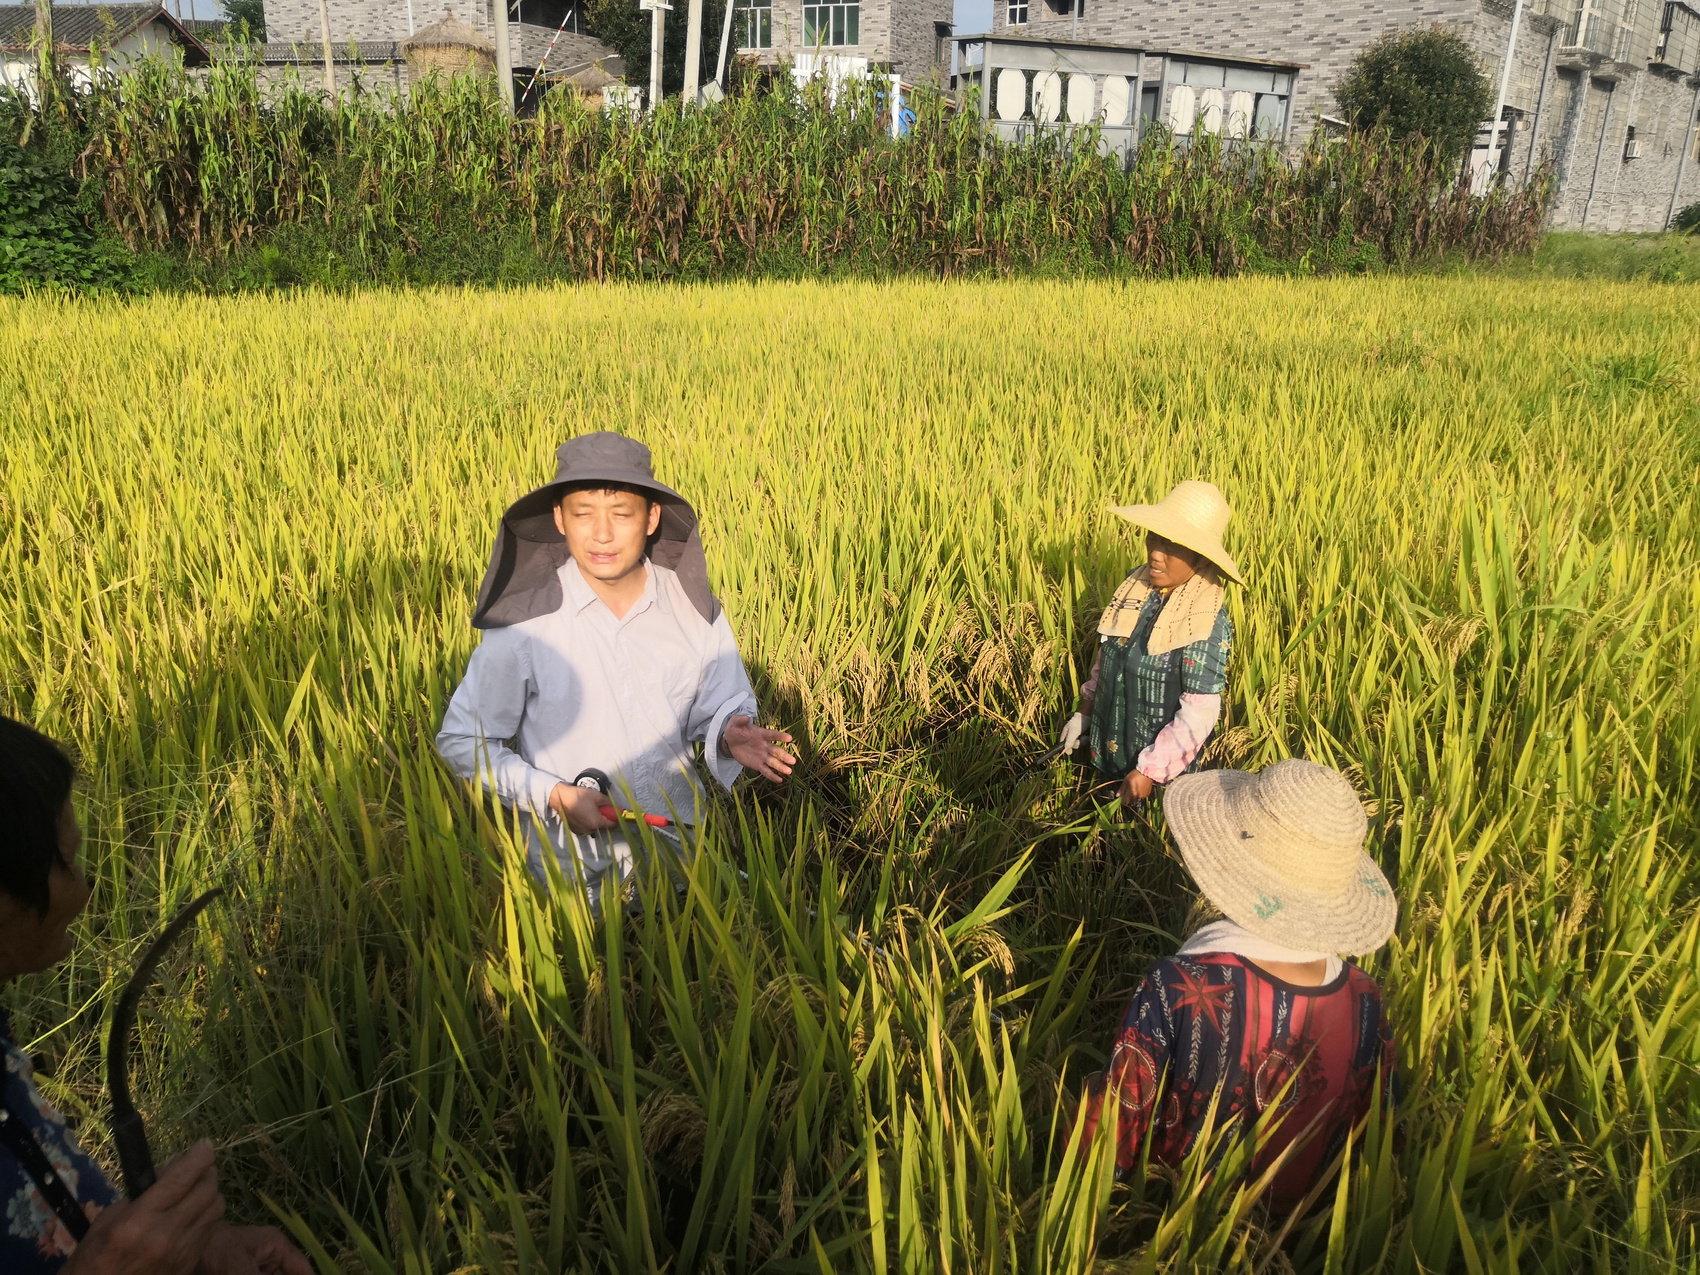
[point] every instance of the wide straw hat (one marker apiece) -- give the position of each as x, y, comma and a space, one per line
523, 580
1194, 516
1280, 852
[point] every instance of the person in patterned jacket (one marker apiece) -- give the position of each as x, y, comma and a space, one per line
1155, 690
59, 1214
1257, 1016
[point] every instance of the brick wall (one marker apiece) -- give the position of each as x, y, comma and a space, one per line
1603, 190
914, 38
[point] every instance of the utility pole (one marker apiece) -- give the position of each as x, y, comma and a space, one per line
693, 52
1505, 87
47, 55
504, 58
725, 42
325, 39
1682, 160
657, 33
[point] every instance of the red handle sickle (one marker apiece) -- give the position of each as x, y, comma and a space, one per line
654, 821
599, 781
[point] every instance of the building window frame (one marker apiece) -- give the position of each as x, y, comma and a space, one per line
1679, 37
1015, 15
754, 24
832, 24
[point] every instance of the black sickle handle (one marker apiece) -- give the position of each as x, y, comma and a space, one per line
134, 1157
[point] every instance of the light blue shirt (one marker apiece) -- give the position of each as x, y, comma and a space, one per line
580, 688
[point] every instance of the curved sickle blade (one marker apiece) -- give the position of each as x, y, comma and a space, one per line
134, 1157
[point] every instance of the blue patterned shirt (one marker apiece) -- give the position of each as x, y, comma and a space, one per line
32, 1240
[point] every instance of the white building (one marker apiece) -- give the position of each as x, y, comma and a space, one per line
91, 38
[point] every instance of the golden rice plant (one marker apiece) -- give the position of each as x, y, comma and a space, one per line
240, 543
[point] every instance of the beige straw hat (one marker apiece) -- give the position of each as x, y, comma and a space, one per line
1281, 854
1193, 515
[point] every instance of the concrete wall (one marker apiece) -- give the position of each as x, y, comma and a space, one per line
1563, 98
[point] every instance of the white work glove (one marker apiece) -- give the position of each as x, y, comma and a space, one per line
1072, 731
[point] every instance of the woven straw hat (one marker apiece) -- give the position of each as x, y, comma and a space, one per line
1193, 515
1281, 854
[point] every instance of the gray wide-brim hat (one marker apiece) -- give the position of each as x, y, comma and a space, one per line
523, 579
1280, 852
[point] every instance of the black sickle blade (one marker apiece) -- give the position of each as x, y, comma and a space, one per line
1044, 759
134, 1157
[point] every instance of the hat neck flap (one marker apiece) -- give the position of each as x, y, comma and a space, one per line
523, 579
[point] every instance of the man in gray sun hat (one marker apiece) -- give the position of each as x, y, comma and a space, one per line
604, 652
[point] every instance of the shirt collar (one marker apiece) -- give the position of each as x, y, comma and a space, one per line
580, 595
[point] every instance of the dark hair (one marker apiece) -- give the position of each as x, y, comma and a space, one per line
596, 484
35, 784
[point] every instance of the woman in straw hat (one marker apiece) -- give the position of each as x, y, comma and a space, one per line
1155, 692
1256, 1014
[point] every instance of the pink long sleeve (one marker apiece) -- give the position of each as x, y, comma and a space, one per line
1090, 687
1181, 740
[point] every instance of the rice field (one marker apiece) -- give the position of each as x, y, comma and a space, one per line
241, 541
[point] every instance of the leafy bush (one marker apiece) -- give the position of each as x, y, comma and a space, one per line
247, 18
43, 240
1688, 220
1421, 82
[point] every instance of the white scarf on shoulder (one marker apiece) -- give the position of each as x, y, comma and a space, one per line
1225, 936
1188, 615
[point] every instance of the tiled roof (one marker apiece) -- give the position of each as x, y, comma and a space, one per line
311, 52
77, 26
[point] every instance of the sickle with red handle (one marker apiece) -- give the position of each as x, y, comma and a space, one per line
599, 781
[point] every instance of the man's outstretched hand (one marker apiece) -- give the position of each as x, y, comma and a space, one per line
757, 748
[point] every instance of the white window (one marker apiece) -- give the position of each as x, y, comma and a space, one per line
754, 24
831, 24
1017, 13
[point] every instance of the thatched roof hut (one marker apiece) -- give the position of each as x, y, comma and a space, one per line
448, 47
589, 83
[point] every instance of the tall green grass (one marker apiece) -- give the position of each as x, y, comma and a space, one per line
240, 544
220, 181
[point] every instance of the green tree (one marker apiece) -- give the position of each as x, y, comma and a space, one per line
247, 18
623, 27
1422, 82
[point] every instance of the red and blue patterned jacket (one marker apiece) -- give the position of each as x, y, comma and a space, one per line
1215, 1022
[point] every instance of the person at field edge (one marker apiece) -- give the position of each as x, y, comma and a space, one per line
1257, 1016
1155, 692
603, 649
58, 1211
